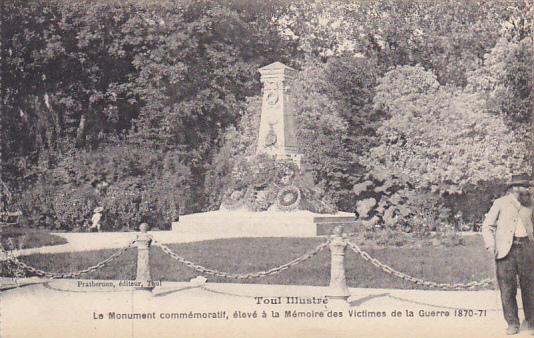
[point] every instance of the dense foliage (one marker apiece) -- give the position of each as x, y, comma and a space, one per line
439, 138
146, 107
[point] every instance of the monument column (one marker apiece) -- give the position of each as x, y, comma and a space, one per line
277, 133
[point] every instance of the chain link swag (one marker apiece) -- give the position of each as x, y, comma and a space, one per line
55, 275
273, 271
389, 270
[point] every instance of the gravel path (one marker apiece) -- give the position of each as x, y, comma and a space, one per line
111, 240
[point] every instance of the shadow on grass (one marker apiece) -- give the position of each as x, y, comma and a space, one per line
23, 238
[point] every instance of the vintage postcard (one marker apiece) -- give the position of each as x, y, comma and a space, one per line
252, 168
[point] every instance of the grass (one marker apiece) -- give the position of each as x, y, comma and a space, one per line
24, 238
457, 264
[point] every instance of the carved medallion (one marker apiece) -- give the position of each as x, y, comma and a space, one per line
272, 98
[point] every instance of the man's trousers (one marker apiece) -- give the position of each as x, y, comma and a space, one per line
518, 263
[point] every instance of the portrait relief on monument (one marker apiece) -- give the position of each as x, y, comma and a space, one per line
272, 97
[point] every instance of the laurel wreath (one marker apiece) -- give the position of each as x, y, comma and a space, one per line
288, 198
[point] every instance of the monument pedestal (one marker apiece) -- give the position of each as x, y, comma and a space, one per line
244, 223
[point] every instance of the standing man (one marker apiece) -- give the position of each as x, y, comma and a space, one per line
508, 234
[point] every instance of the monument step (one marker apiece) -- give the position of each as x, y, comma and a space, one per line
225, 224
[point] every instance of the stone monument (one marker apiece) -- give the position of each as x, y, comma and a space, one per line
277, 133
271, 195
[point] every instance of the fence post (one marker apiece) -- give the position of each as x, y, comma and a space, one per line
338, 290
143, 242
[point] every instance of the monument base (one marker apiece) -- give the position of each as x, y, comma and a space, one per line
244, 223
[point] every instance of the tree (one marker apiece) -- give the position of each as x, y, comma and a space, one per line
439, 138
505, 80
322, 131
504, 83
196, 65
64, 80
171, 76
448, 37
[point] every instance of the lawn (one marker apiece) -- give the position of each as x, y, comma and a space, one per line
441, 264
24, 238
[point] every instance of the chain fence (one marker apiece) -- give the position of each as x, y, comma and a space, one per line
389, 270
54, 275
273, 271
24, 267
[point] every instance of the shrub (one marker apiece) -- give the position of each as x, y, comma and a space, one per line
390, 208
260, 182
121, 205
36, 204
132, 184
73, 206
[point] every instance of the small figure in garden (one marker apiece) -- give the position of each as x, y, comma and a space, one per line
95, 226
508, 235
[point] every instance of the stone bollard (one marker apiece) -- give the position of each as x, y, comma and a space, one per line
338, 291
143, 242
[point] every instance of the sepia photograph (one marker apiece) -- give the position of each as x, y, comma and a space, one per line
266, 168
